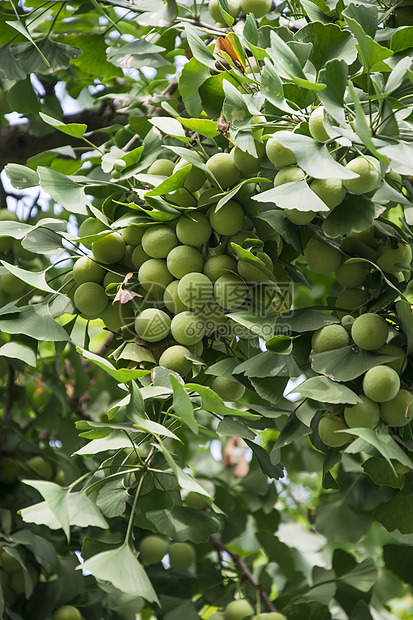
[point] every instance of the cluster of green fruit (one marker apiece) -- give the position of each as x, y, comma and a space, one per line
241, 609
383, 400
153, 548
12, 560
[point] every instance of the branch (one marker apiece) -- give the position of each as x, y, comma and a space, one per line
17, 144
245, 571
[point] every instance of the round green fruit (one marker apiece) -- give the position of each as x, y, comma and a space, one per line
399, 410
227, 389
278, 154
327, 429
182, 197
8, 561
139, 256
67, 612
175, 359
330, 337
86, 269
390, 258
225, 172
184, 259
194, 230
158, 241
219, 615
195, 290
91, 226
368, 169
363, 415
230, 291
152, 324
288, 174
162, 167
219, 265
370, 331
350, 299
181, 555
246, 163
299, 217
90, 299
215, 10
316, 125
152, 549
331, 191
238, 610
252, 274
195, 178
352, 275
196, 501
132, 235
398, 364
172, 300
40, 467
322, 258
229, 219
109, 249
271, 615
381, 384
154, 276
259, 8
187, 328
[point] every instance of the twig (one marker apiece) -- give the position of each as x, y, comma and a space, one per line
245, 571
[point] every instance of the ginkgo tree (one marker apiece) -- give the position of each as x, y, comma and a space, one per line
206, 310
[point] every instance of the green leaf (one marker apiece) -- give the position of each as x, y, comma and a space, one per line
269, 469
398, 559
22, 97
198, 48
268, 364
355, 212
310, 610
337, 521
35, 321
235, 109
381, 473
19, 26
9, 67
383, 443
293, 195
76, 130
114, 441
154, 428
203, 127
402, 39
112, 499
313, 157
327, 391
280, 344
261, 326
21, 348
66, 192
135, 409
277, 220
346, 363
287, 64
397, 513
121, 568
272, 88
172, 182
372, 53
193, 75
251, 259
36, 279
181, 523
305, 320
56, 500
292, 430
329, 42
404, 313
20, 176
58, 55
213, 403
228, 427
169, 126
139, 53
334, 76
93, 58
120, 374
182, 405
397, 75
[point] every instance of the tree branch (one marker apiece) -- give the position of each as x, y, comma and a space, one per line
245, 571
17, 144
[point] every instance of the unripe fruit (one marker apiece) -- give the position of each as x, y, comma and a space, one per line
252, 274
227, 220
368, 169
91, 226
299, 217
184, 259
238, 610
195, 290
67, 612
8, 561
120, 164
245, 162
350, 299
227, 389
182, 197
139, 256
181, 555
316, 125
219, 615
218, 265
259, 8
391, 257
162, 167
171, 298
215, 319
158, 241
363, 415
370, 331
90, 299
132, 235
329, 337
86, 269
278, 154
327, 429
154, 276
399, 410
330, 191
215, 11
187, 328
196, 501
117, 315
109, 249
381, 384
272, 615
152, 324
288, 174
195, 178
230, 291
398, 364
222, 166
352, 275
12, 285
116, 174
194, 230
41, 467
152, 549
347, 322
174, 359
322, 258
